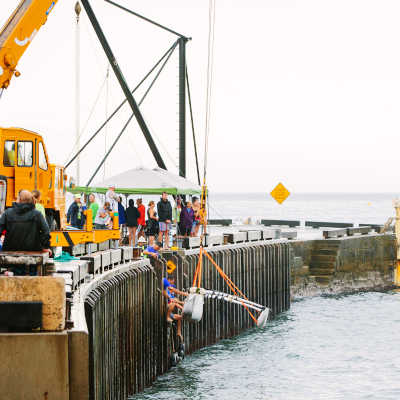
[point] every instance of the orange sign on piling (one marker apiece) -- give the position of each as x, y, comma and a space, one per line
280, 193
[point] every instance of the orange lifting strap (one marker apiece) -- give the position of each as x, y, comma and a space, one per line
222, 273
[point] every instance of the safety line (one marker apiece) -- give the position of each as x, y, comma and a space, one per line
229, 282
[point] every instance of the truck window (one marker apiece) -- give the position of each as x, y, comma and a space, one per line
9, 153
42, 157
57, 176
25, 154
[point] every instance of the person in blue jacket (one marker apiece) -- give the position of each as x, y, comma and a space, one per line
75, 216
121, 213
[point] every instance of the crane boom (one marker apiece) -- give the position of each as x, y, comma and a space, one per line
17, 34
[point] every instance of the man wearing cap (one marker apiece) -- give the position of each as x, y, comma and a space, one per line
112, 197
152, 251
75, 216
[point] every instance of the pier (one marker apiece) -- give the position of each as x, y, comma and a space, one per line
115, 340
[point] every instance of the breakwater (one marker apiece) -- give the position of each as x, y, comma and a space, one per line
120, 340
131, 343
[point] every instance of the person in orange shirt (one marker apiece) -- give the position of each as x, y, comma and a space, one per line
142, 220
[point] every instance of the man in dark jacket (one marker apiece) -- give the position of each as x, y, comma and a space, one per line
164, 210
26, 230
75, 214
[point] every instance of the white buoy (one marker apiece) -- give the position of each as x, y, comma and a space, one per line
263, 318
193, 307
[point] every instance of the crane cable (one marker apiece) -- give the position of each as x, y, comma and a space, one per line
211, 36
105, 131
211, 30
197, 276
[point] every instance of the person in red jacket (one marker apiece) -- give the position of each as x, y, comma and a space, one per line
142, 220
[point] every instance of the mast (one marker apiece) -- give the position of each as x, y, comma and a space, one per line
77, 86
182, 107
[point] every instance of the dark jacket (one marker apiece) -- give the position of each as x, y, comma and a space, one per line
131, 215
26, 229
164, 210
72, 214
121, 214
187, 218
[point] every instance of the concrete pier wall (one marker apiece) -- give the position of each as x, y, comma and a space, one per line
129, 339
260, 270
342, 265
121, 340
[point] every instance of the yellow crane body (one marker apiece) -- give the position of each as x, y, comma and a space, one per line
24, 164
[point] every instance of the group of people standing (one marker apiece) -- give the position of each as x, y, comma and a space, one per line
159, 217
190, 218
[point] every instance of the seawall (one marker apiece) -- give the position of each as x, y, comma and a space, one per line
121, 341
342, 265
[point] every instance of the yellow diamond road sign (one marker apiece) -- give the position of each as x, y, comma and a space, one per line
280, 193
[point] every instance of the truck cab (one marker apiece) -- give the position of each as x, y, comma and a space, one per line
24, 164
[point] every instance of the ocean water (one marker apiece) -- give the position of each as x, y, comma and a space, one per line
326, 347
372, 208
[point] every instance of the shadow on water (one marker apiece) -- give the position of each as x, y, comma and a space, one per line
331, 346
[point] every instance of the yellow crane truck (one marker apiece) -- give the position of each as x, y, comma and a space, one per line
24, 162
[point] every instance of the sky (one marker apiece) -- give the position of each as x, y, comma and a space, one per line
305, 93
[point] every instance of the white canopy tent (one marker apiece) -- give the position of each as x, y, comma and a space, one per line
142, 180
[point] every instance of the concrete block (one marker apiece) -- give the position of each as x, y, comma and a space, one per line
94, 247
191, 242
270, 234
77, 269
375, 227
105, 258
363, 230
33, 364
254, 235
236, 237
280, 222
77, 250
47, 289
127, 253
289, 235
94, 261
116, 256
104, 246
329, 224
214, 240
221, 222
334, 233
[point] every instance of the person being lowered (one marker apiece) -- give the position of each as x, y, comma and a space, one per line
169, 290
